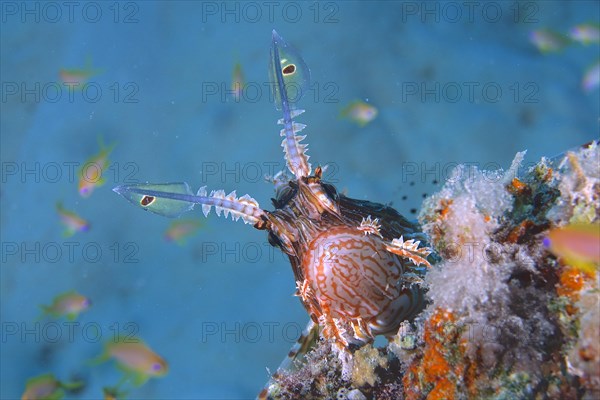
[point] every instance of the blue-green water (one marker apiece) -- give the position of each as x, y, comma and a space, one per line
453, 82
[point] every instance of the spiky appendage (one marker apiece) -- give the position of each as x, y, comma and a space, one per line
303, 290
245, 207
410, 250
295, 152
370, 226
333, 328
362, 331
174, 199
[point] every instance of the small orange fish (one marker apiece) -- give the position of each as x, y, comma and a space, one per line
47, 387
90, 174
69, 305
77, 77
73, 223
548, 41
591, 78
586, 33
577, 244
359, 112
180, 230
135, 358
113, 393
43, 387
237, 82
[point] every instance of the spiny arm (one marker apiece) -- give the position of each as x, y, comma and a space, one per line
408, 249
295, 152
173, 199
288, 70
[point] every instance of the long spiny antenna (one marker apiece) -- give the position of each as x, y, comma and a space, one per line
288, 69
173, 199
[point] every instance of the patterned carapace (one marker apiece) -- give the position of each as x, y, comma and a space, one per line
352, 259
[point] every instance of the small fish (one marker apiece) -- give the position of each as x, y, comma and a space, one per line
113, 393
43, 387
90, 174
47, 387
237, 82
577, 244
548, 41
359, 112
180, 230
77, 77
135, 359
591, 78
73, 223
69, 305
586, 33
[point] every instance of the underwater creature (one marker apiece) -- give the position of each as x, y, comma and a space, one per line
237, 81
577, 244
90, 174
548, 41
73, 223
79, 76
47, 387
113, 393
43, 387
586, 33
349, 257
591, 78
135, 359
69, 304
359, 112
181, 229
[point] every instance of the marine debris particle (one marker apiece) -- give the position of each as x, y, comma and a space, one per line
506, 319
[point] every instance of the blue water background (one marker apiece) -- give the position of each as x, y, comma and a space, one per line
158, 61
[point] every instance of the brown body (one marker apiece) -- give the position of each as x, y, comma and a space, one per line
347, 279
